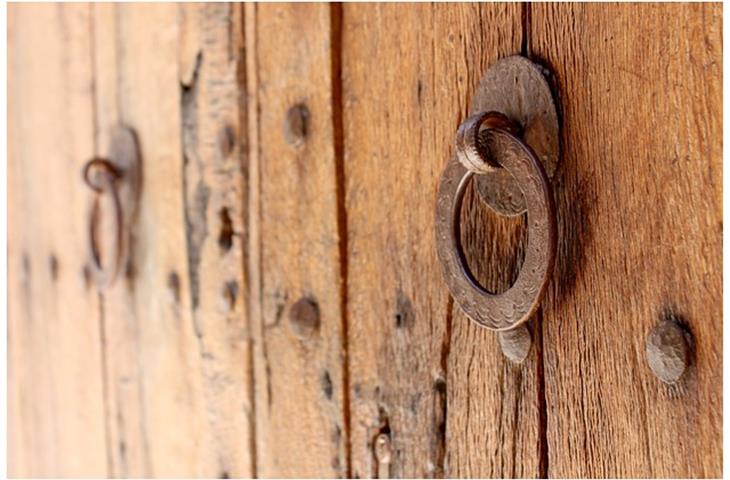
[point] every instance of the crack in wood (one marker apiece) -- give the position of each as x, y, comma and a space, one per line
336, 14
196, 229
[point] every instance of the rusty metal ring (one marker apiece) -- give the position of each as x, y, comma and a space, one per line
105, 170
469, 142
494, 145
104, 182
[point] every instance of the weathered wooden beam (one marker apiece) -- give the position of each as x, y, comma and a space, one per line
55, 384
640, 228
420, 372
295, 267
178, 343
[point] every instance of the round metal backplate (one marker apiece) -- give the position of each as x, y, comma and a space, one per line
124, 154
517, 88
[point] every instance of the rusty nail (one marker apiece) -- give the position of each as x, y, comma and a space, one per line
515, 343
667, 351
304, 317
296, 126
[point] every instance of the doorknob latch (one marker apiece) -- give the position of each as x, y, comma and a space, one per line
509, 148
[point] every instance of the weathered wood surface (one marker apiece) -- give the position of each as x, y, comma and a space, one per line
55, 394
298, 326
419, 370
283, 311
177, 344
155, 381
639, 202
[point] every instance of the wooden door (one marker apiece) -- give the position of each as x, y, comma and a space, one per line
283, 311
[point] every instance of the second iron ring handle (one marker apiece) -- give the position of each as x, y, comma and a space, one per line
118, 176
485, 142
101, 176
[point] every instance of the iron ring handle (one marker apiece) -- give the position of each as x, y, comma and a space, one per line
484, 142
105, 181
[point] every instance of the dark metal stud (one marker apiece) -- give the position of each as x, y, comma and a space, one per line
515, 343
667, 351
304, 317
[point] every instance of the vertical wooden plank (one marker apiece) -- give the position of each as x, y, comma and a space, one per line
299, 361
56, 409
639, 201
212, 73
437, 386
176, 326
495, 409
124, 393
152, 388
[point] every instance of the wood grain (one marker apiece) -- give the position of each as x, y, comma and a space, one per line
177, 342
283, 312
639, 201
421, 372
299, 357
55, 393
214, 120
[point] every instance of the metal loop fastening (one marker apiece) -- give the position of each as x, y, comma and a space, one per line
470, 146
97, 172
485, 142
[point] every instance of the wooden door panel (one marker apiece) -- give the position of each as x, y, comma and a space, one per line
420, 372
55, 389
177, 354
639, 202
299, 364
283, 311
